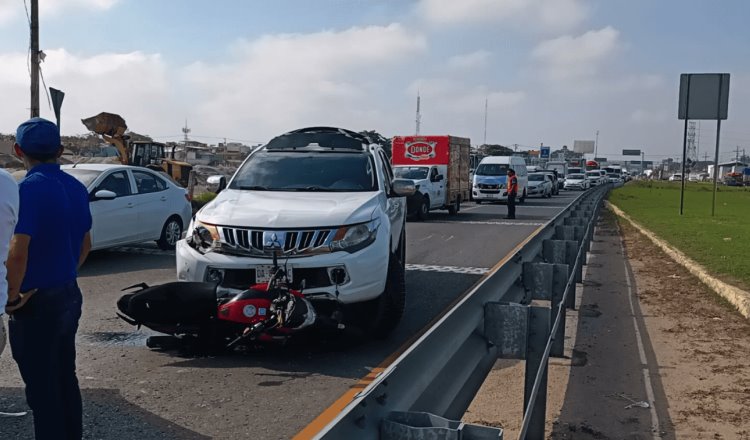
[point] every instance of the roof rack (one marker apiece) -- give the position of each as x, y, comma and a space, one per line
319, 139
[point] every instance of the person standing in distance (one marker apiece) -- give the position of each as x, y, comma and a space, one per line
50, 243
512, 193
8, 219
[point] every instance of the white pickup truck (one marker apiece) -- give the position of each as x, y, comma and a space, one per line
326, 200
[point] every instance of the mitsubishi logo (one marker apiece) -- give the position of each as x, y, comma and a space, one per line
274, 240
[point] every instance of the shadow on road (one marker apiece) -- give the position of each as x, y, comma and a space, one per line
106, 414
111, 262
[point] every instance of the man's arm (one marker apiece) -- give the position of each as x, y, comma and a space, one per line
18, 257
85, 249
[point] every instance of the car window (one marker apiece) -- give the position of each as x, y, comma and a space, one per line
148, 183
387, 171
307, 172
491, 169
536, 177
416, 173
86, 177
116, 182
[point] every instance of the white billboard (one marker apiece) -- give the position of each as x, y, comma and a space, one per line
583, 147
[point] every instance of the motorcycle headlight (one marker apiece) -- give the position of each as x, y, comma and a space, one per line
355, 237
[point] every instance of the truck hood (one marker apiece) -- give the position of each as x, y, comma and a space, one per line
273, 209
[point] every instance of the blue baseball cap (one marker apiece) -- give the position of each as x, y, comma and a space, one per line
38, 136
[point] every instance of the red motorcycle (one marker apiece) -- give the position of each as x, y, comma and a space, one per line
199, 312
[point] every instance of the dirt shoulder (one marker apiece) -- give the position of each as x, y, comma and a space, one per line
651, 353
702, 345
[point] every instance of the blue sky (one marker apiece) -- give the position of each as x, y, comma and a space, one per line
551, 70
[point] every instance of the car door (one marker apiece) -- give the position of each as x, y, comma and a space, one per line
152, 204
115, 221
437, 196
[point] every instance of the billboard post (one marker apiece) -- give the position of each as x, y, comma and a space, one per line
703, 96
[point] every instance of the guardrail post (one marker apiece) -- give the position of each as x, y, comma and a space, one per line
539, 318
537, 280
559, 283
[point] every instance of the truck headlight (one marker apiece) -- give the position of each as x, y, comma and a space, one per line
355, 237
203, 235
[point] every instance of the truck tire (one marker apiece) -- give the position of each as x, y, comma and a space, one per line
423, 209
171, 233
455, 207
382, 315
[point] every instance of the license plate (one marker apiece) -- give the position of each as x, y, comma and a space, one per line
264, 272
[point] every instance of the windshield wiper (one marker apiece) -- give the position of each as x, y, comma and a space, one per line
253, 188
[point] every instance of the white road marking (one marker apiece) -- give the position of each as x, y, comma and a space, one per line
426, 238
450, 238
499, 222
641, 352
448, 269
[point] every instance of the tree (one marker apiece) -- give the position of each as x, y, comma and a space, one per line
495, 150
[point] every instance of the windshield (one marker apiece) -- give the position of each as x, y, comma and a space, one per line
574, 170
415, 173
492, 169
536, 177
576, 176
593, 174
281, 171
86, 177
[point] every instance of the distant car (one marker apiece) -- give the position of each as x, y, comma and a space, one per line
615, 178
594, 177
556, 181
675, 178
604, 177
132, 205
577, 181
540, 184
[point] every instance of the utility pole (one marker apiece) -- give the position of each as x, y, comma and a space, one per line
485, 121
596, 145
34, 58
737, 154
692, 152
419, 115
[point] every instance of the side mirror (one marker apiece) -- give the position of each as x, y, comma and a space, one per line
216, 184
403, 188
439, 178
104, 194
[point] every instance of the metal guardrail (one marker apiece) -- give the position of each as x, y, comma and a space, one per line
442, 371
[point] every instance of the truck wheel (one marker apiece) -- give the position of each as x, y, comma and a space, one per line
455, 207
383, 314
171, 233
424, 208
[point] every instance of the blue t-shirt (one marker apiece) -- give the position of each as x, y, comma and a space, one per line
54, 212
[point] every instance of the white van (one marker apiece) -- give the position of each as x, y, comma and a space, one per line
490, 178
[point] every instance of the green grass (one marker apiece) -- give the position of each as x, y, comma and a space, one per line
720, 243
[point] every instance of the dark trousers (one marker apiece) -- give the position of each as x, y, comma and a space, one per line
511, 206
42, 339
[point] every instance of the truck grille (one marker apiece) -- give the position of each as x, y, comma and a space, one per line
264, 242
488, 186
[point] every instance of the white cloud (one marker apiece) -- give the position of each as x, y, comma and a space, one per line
570, 57
134, 85
279, 82
14, 9
549, 15
457, 107
646, 116
473, 60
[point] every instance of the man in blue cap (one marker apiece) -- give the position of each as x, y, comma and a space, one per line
50, 242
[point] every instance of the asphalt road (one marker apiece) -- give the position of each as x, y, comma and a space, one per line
132, 392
